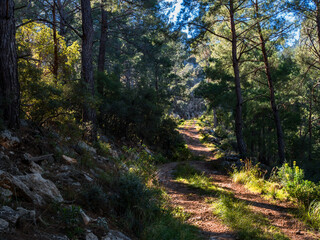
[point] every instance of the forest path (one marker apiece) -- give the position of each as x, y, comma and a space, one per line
201, 212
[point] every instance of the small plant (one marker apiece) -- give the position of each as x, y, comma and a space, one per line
292, 178
70, 218
94, 198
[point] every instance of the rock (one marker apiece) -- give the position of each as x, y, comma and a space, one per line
32, 187
48, 236
69, 160
86, 219
8, 214
8, 140
89, 179
114, 153
35, 168
26, 215
4, 225
115, 235
46, 189
86, 147
21, 214
91, 236
5, 195
19, 189
29, 158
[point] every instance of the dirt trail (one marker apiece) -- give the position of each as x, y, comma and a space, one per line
201, 212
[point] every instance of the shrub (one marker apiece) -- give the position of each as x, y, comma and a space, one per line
292, 178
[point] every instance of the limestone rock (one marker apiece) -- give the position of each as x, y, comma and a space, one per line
4, 225
8, 214
35, 168
69, 160
115, 235
8, 140
46, 189
21, 215
86, 147
5, 194
91, 236
86, 219
32, 186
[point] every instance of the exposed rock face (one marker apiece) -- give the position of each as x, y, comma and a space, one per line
44, 188
32, 186
8, 140
115, 235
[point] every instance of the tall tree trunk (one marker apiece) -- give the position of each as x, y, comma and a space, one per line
89, 113
275, 111
62, 25
235, 61
310, 127
103, 40
9, 84
55, 42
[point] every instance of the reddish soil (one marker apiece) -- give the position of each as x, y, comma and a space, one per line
201, 212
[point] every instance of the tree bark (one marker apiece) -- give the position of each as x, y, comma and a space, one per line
275, 111
89, 113
55, 42
103, 40
238, 118
9, 84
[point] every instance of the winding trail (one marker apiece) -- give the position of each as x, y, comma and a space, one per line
200, 211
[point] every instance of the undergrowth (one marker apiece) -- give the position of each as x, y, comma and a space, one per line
285, 183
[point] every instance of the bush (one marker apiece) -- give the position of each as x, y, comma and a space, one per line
292, 178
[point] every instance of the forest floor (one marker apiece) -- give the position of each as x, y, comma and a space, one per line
200, 210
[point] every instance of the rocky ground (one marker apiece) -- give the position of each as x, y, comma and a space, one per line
40, 173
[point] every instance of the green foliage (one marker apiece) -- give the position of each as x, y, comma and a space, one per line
292, 178
94, 198
71, 220
46, 97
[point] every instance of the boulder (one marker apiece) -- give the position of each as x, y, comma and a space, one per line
46, 189
8, 140
115, 235
32, 187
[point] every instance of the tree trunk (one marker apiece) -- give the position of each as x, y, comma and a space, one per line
63, 18
9, 84
89, 113
275, 111
55, 42
103, 40
238, 118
